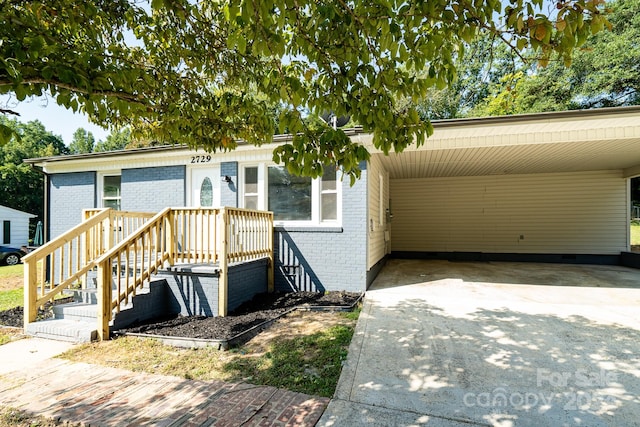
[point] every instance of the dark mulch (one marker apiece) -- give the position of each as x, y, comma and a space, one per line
262, 308
15, 316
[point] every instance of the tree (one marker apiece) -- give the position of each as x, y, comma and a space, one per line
116, 140
208, 73
82, 142
21, 187
605, 72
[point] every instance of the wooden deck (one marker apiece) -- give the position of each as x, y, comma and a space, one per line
126, 249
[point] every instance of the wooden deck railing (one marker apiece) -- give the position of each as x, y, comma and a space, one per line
182, 235
65, 260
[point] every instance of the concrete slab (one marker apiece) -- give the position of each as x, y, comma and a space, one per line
27, 352
504, 344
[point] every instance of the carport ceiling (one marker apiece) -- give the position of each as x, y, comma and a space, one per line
540, 143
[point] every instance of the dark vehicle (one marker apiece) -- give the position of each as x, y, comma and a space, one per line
10, 255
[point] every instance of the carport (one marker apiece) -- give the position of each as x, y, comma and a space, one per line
443, 343
549, 187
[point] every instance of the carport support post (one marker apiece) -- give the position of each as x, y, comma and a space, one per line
223, 283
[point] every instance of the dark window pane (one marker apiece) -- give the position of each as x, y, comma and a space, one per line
6, 230
251, 180
289, 196
112, 186
329, 178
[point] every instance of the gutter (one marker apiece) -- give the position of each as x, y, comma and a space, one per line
47, 200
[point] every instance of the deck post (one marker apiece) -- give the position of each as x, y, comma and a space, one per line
223, 284
109, 229
104, 299
271, 266
30, 291
169, 234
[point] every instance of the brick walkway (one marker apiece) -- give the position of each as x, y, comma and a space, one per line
100, 396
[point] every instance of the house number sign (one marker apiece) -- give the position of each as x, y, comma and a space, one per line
201, 159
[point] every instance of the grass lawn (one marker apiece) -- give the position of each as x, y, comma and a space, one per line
11, 299
302, 352
11, 282
635, 234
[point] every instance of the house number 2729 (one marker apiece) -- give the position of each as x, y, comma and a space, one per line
200, 159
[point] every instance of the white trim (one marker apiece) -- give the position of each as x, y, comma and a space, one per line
262, 183
100, 186
263, 189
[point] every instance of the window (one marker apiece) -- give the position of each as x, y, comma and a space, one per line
289, 196
6, 230
293, 200
251, 187
206, 193
111, 197
329, 195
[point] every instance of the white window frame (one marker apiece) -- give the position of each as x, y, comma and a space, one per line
262, 182
101, 177
316, 202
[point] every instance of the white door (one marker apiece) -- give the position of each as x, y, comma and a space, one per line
205, 187
204, 192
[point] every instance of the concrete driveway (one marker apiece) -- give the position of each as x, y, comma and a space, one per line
503, 344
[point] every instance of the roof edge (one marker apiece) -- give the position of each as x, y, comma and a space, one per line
526, 117
441, 123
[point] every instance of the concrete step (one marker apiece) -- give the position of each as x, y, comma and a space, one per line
90, 295
76, 331
79, 311
77, 321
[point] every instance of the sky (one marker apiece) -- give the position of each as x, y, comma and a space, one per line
56, 119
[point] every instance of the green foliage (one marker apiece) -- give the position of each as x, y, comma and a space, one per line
605, 72
82, 142
21, 187
116, 140
209, 73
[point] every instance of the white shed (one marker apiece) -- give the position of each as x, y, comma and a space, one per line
14, 227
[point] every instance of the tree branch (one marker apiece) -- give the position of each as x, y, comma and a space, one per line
5, 111
139, 99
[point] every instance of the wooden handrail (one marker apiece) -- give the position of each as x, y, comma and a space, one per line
127, 248
182, 235
67, 259
127, 259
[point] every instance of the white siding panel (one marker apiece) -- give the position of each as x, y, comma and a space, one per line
582, 213
377, 247
19, 226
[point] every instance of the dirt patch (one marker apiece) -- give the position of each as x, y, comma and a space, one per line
11, 283
635, 248
262, 308
295, 324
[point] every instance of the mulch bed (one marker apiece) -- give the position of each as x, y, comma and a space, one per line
262, 308
15, 316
